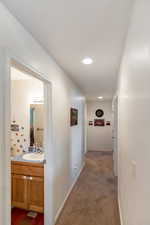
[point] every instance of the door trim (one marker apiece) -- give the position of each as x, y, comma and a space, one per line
6, 60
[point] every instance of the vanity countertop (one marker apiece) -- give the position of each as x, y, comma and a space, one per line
20, 158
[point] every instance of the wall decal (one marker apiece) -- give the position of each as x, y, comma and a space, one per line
107, 123
99, 122
73, 117
99, 113
90, 123
18, 142
14, 127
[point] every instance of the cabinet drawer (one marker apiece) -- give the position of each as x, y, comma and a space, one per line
28, 169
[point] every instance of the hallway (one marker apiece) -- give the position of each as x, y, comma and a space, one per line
93, 200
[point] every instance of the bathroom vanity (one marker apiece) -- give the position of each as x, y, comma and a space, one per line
27, 185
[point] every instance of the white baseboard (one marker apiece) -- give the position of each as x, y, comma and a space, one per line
69, 192
100, 150
120, 211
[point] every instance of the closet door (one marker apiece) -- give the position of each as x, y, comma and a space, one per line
19, 191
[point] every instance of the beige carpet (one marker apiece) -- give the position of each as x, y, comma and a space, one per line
93, 200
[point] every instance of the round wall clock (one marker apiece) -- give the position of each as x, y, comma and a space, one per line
99, 113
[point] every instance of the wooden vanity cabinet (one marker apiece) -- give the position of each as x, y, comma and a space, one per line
19, 191
36, 194
28, 186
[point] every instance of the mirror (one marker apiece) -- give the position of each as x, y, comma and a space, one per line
36, 124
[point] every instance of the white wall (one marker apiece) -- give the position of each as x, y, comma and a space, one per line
134, 120
99, 138
64, 94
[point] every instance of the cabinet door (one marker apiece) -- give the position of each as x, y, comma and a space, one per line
36, 194
19, 191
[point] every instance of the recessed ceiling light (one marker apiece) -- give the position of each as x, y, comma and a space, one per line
87, 61
100, 97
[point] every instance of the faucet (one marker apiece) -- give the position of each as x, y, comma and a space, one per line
38, 149
35, 148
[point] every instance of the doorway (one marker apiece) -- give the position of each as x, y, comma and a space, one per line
27, 149
6, 120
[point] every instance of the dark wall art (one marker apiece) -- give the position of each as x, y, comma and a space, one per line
73, 117
99, 122
108, 123
99, 113
90, 123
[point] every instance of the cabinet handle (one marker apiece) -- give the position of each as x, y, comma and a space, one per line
28, 178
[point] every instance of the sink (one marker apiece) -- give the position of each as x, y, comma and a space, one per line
34, 156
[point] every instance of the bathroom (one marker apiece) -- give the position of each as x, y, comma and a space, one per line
27, 148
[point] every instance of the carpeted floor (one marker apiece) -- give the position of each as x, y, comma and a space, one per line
93, 200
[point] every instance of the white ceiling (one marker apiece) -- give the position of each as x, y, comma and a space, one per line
73, 29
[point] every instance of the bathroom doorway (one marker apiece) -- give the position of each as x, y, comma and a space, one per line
8, 61
27, 148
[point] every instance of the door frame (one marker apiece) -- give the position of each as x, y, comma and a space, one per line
6, 61
115, 134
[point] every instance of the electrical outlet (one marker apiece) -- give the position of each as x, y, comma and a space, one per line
75, 170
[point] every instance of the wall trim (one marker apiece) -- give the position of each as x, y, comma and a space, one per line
7, 60
120, 212
68, 194
100, 150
